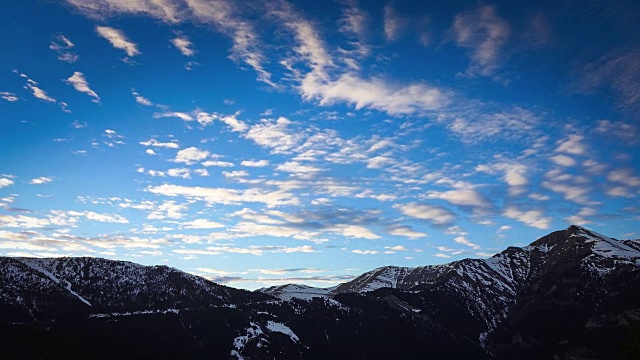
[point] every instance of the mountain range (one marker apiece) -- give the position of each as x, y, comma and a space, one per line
572, 294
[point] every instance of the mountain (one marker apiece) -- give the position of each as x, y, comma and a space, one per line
573, 294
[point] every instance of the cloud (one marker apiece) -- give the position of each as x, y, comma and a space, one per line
564, 160
62, 46
437, 215
183, 44
533, 218
464, 197
191, 155
406, 231
628, 133
182, 173
254, 163
168, 209
141, 99
39, 93
180, 115
617, 71
118, 39
354, 20
298, 168
91, 215
79, 83
201, 224
365, 252
5, 182
485, 33
275, 135
236, 125
579, 218
572, 145
40, 180
374, 93
323, 85
173, 144
394, 24
481, 123
225, 196
462, 240
10, 97
217, 163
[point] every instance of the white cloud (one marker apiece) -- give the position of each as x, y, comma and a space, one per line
533, 218
485, 33
254, 163
118, 39
154, 142
62, 46
624, 176
572, 145
150, 152
394, 24
464, 197
355, 231
464, 241
274, 135
191, 155
231, 120
5, 182
621, 130
226, 196
217, 163
22, 221
182, 173
41, 180
564, 160
10, 97
39, 93
364, 252
168, 209
90, 215
435, 214
180, 115
183, 44
141, 99
201, 224
78, 81
406, 231
297, 168
235, 174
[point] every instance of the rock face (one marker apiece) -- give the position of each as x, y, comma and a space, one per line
573, 294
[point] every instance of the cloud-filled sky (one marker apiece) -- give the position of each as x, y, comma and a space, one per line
263, 142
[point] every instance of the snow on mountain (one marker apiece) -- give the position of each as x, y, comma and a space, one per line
293, 291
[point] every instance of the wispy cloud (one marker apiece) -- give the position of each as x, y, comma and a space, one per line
485, 33
41, 180
183, 44
617, 71
62, 46
118, 40
8, 96
437, 215
78, 81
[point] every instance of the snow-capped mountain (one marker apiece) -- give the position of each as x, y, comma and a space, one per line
571, 294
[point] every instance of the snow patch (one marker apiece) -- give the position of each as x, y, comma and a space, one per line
282, 328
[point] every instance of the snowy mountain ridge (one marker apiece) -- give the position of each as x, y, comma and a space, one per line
569, 293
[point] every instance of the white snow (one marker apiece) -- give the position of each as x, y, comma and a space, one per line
282, 328
37, 267
608, 247
302, 292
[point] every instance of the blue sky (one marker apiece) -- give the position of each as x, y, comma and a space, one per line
259, 143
